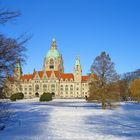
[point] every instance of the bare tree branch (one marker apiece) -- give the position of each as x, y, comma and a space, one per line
11, 50
7, 15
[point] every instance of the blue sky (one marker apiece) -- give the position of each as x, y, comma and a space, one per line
81, 27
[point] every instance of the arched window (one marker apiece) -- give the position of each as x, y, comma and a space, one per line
20, 88
53, 87
30, 87
36, 87
51, 64
71, 87
44, 87
66, 88
61, 88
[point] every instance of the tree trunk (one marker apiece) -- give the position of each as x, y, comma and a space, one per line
103, 104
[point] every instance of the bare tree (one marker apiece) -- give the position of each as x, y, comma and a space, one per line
11, 50
105, 87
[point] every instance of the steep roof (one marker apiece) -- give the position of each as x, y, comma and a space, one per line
40, 73
85, 78
57, 74
67, 76
27, 77
11, 79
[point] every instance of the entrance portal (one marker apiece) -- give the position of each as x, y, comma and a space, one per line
37, 94
53, 94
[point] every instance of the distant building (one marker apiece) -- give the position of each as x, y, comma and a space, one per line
51, 78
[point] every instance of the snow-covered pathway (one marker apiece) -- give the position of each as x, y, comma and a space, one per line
72, 120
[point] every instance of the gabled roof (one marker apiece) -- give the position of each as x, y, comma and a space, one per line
40, 73
58, 75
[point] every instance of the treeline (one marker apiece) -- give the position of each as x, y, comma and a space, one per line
130, 86
130, 76
109, 87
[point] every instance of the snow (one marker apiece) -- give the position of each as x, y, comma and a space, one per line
70, 119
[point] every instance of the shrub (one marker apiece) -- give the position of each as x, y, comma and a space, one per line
13, 97
16, 96
46, 97
19, 95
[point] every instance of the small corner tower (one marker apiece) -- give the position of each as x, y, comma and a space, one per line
77, 70
17, 70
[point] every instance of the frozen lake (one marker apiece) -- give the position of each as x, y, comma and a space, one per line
72, 120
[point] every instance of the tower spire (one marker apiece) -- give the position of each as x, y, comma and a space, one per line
77, 63
77, 69
78, 76
53, 46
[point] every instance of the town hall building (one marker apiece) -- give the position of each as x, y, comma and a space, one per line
52, 78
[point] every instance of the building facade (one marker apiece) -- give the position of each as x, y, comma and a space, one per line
51, 78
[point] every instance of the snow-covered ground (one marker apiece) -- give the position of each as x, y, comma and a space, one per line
72, 120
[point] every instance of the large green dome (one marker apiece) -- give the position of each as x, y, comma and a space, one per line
53, 53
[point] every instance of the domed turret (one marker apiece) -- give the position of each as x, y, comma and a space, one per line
53, 52
53, 60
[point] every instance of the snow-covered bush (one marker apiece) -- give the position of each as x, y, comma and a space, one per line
46, 97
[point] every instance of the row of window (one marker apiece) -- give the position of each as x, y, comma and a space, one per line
66, 80
66, 92
62, 87
37, 87
54, 80
62, 93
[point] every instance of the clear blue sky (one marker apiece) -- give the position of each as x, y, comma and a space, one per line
83, 27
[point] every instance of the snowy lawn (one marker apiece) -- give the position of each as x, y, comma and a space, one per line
72, 120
